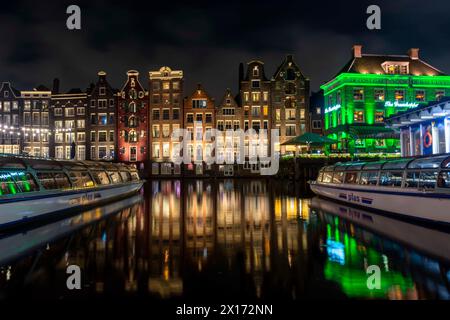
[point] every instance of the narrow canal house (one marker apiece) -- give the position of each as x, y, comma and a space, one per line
132, 125
371, 87
36, 125
101, 116
166, 115
289, 103
199, 119
254, 97
10, 135
229, 117
69, 125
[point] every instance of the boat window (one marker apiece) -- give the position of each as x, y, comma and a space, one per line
427, 163
391, 178
351, 177
7, 184
319, 178
26, 182
396, 164
373, 165
412, 179
100, 177
115, 177
354, 166
443, 180
428, 179
327, 176
338, 177
125, 176
81, 179
369, 178
47, 180
62, 180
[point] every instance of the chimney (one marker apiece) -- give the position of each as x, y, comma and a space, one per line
241, 74
357, 51
101, 75
55, 89
413, 53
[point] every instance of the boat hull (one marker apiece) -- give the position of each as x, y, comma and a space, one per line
419, 205
22, 210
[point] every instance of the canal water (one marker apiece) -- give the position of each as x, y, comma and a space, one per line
221, 240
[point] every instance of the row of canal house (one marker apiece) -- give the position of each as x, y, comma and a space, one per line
135, 122
146, 119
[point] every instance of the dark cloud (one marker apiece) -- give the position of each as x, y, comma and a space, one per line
207, 39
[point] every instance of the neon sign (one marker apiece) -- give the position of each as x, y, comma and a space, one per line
333, 108
397, 104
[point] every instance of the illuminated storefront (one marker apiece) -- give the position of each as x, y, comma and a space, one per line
425, 130
371, 88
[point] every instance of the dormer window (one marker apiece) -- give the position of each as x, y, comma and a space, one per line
396, 67
255, 71
6, 94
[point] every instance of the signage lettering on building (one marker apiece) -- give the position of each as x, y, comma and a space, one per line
333, 108
397, 104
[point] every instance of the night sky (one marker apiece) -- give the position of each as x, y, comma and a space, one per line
208, 39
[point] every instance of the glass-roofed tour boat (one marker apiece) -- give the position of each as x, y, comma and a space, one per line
34, 188
414, 187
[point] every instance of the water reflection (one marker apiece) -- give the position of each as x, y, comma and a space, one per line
209, 240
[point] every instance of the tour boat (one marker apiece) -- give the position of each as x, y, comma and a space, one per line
411, 187
15, 245
34, 188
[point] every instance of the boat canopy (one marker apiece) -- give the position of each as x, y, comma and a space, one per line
425, 162
23, 162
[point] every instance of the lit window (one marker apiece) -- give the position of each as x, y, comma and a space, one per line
358, 116
439, 94
379, 116
358, 95
399, 95
379, 95
420, 95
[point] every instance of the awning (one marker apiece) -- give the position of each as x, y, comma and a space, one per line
360, 131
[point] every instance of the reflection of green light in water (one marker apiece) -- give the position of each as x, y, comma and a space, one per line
352, 276
12, 187
354, 281
336, 234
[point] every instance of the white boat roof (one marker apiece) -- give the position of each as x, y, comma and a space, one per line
422, 162
8, 161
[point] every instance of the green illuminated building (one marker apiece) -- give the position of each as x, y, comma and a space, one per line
372, 87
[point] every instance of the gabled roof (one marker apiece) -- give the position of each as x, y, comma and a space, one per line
16, 92
364, 63
285, 64
372, 63
228, 95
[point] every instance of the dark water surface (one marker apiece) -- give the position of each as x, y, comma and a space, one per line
211, 241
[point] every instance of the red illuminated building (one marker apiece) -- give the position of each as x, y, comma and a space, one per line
132, 120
